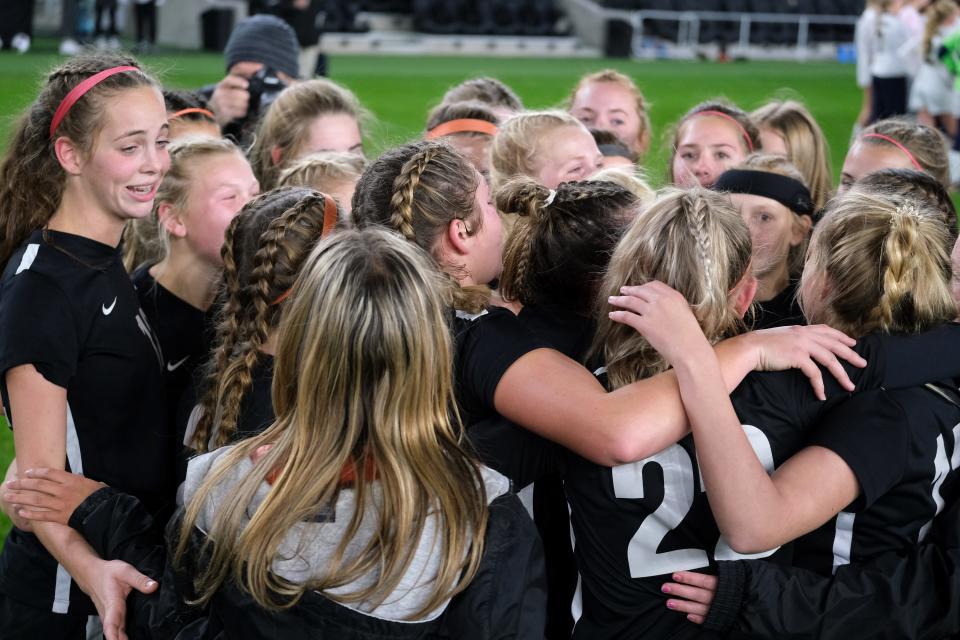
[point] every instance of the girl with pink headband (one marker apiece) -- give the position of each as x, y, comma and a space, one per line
712, 137
896, 144
81, 372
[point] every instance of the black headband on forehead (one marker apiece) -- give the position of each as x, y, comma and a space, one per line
785, 190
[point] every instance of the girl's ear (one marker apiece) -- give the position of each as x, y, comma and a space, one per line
458, 236
275, 155
801, 229
69, 155
744, 292
171, 220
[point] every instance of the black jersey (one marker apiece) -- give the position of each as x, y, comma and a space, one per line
68, 308
486, 345
184, 332
637, 523
780, 311
902, 446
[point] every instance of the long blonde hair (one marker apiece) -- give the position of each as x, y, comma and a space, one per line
287, 122
807, 147
264, 248
382, 360
693, 240
144, 239
886, 265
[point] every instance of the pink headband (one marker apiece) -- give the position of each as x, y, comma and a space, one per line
78, 92
728, 117
898, 145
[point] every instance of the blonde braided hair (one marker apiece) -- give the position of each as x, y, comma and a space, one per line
887, 265
693, 240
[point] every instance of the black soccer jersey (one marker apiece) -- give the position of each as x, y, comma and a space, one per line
485, 346
184, 332
902, 446
637, 523
780, 311
68, 308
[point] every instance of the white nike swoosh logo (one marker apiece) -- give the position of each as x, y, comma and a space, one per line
176, 365
108, 310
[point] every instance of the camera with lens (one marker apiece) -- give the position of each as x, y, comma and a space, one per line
264, 86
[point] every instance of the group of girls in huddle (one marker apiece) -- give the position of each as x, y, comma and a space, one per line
367, 378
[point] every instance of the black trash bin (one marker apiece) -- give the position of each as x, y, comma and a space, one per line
216, 25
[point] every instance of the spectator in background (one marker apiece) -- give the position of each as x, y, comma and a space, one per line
889, 62
16, 24
262, 47
145, 12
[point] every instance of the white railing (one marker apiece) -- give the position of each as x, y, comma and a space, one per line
688, 25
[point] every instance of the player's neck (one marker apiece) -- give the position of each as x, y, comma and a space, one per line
187, 276
79, 215
770, 285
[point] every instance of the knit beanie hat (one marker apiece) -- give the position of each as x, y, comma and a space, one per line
267, 39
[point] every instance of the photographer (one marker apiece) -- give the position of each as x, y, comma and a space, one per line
262, 59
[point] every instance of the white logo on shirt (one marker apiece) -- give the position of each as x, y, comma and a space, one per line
174, 366
108, 310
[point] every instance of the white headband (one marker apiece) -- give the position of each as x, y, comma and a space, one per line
550, 198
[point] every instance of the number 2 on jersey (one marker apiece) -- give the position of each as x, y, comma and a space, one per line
678, 494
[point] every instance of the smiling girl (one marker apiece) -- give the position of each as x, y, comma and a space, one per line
82, 369
713, 137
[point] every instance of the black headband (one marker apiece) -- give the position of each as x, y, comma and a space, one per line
787, 191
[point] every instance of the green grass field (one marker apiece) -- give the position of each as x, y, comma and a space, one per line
399, 90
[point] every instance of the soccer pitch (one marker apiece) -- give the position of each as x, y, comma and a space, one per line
399, 90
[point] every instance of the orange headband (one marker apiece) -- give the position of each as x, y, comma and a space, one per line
463, 125
79, 91
898, 145
729, 118
184, 112
329, 222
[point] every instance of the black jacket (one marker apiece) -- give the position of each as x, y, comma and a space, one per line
506, 599
897, 596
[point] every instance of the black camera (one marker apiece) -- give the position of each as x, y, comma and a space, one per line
264, 87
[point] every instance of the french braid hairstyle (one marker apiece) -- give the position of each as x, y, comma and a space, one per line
695, 241
885, 262
747, 133
417, 190
264, 248
31, 178
559, 248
